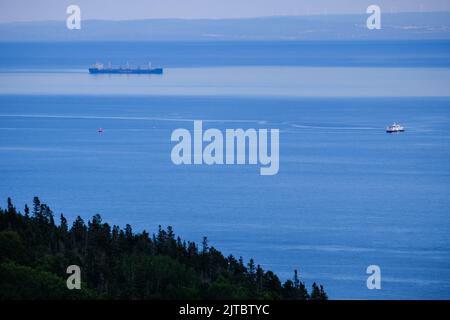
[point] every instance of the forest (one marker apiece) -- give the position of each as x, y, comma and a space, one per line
117, 263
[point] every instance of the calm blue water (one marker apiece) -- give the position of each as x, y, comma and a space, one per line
193, 54
347, 194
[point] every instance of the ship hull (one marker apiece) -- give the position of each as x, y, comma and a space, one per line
125, 71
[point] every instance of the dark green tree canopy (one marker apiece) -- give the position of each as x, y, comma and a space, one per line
120, 264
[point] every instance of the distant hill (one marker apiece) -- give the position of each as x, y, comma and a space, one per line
415, 26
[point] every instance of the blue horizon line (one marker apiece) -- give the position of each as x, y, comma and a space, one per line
226, 19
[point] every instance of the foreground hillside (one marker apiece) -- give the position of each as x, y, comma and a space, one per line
119, 264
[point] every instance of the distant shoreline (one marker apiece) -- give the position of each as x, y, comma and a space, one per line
395, 26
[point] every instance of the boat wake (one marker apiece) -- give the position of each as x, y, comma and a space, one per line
303, 126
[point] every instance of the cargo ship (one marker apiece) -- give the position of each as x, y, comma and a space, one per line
99, 68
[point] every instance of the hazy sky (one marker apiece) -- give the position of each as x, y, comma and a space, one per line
29, 10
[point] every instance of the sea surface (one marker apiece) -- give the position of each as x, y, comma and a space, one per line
347, 194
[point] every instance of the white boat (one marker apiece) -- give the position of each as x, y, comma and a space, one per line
395, 128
